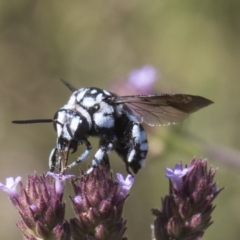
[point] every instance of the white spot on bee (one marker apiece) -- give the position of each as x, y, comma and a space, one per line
107, 93
103, 121
104, 118
131, 155
99, 98
88, 102
74, 124
93, 91
85, 114
72, 100
80, 94
136, 133
61, 118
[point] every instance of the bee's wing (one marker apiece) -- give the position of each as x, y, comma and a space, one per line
162, 109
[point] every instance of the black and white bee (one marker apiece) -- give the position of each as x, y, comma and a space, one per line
116, 120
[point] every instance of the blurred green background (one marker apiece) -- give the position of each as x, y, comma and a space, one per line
195, 45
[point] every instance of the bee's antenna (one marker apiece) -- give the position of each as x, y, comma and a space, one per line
33, 121
68, 85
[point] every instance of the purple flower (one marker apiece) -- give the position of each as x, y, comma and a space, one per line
60, 181
139, 81
143, 78
186, 210
41, 208
98, 203
10, 187
124, 185
176, 175
77, 199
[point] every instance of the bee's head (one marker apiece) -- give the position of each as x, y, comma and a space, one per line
70, 126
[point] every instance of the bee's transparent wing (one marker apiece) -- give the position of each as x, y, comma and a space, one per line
156, 116
162, 109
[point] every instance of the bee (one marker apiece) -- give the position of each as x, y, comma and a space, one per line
116, 120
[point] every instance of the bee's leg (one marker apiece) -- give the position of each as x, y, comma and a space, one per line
106, 162
82, 157
138, 149
100, 156
53, 160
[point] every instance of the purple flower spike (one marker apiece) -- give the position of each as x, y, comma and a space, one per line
124, 185
98, 203
41, 208
60, 181
10, 186
142, 79
186, 210
176, 175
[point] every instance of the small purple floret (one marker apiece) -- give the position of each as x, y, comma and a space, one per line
186, 210
176, 175
60, 181
77, 199
124, 184
10, 186
33, 207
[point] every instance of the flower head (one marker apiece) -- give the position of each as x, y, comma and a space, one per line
41, 209
10, 186
186, 211
98, 204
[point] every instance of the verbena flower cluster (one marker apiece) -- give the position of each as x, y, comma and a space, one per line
98, 202
186, 210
